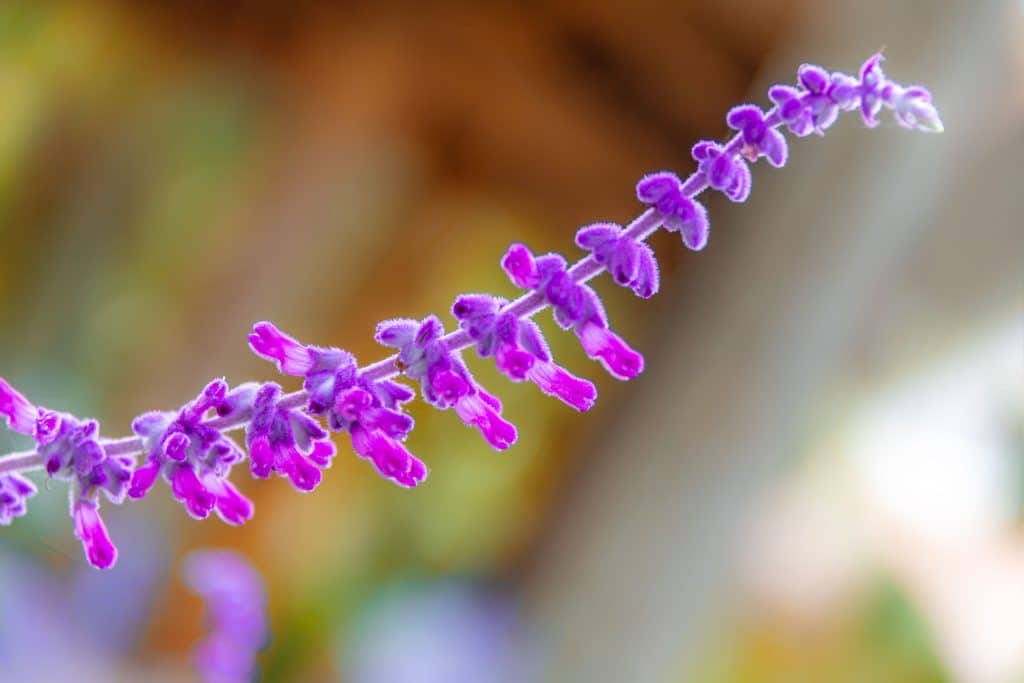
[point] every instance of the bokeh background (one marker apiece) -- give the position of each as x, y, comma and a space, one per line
820, 476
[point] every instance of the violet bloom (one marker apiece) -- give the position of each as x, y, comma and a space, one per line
576, 307
280, 439
15, 490
519, 349
759, 138
630, 263
71, 451
814, 106
664, 191
194, 458
722, 171
236, 606
445, 381
371, 412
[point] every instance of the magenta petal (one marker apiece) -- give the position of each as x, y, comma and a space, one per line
448, 387
232, 506
322, 454
474, 411
617, 357
513, 362
521, 267
190, 492
143, 479
556, 381
261, 458
292, 358
21, 415
90, 530
391, 460
300, 470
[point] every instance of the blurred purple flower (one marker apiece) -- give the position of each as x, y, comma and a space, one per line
443, 633
236, 606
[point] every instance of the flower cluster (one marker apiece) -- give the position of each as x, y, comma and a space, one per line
288, 434
236, 612
576, 307
519, 349
70, 450
194, 458
445, 381
370, 411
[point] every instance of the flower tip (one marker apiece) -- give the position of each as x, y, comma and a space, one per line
20, 414
292, 358
90, 530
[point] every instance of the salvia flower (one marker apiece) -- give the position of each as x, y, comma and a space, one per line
71, 451
664, 191
759, 138
371, 413
281, 439
445, 381
194, 458
722, 170
15, 490
576, 307
519, 349
236, 615
630, 263
287, 433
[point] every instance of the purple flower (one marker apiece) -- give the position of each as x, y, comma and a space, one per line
70, 450
15, 490
519, 349
816, 107
445, 381
576, 306
759, 138
280, 439
630, 263
269, 342
236, 614
19, 413
369, 411
663, 191
194, 458
723, 170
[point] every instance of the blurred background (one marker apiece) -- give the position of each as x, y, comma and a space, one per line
819, 477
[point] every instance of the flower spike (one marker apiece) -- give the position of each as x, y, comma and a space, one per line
288, 434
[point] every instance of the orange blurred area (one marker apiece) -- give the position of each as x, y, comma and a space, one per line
823, 451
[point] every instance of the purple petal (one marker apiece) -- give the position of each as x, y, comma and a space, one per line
396, 333
521, 267
292, 358
592, 237
775, 148
20, 414
618, 358
91, 531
